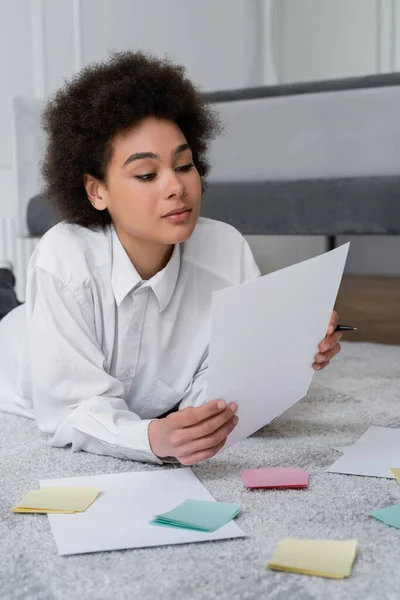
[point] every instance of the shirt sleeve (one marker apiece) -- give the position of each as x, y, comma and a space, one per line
197, 394
249, 268
75, 400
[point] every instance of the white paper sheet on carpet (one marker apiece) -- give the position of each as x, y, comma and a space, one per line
373, 455
264, 336
119, 518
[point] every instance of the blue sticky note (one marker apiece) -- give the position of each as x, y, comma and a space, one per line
389, 515
201, 515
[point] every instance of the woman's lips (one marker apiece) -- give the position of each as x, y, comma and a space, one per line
179, 217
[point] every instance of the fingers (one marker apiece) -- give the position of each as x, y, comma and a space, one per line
320, 367
333, 323
192, 415
181, 429
330, 354
321, 360
330, 341
324, 365
209, 441
204, 428
210, 426
193, 459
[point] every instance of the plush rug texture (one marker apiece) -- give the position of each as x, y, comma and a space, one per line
360, 388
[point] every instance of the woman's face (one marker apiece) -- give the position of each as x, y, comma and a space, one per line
151, 174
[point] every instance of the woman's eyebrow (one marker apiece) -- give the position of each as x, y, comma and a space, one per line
141, 155
180, 149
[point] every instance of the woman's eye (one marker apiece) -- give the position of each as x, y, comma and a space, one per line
151, 176
146, 177
185, 168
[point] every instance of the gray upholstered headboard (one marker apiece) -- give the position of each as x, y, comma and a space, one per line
342, 206
309, 158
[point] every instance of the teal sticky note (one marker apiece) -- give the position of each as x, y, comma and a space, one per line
201, 515
160, 523
389, 515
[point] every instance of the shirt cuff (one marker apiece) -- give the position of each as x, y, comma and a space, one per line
171, 460
133, 441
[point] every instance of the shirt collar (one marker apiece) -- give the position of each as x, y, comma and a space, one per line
164, 282
124, 277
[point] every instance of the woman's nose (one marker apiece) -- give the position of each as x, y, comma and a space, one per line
175, 186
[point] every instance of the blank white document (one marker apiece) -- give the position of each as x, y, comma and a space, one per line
373, 455
264, 336
119, 518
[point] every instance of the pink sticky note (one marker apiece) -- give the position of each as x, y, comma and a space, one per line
274, 478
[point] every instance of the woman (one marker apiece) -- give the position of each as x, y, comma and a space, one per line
110, 352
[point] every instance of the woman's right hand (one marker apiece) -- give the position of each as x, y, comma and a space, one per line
194, 433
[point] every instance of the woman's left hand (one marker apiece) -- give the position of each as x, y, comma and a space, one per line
330, 346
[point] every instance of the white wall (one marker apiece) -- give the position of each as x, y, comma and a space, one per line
323, 39
13, 80
214, 40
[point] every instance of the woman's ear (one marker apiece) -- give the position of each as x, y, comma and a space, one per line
95, 192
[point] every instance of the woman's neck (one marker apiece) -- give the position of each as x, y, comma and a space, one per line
148, 258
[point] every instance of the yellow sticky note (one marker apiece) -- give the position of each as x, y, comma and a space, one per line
46, 511
396, 473
58, 500
325, 558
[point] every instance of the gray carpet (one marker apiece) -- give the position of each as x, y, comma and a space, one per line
361, 388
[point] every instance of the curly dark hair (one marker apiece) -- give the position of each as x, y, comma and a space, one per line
104, 99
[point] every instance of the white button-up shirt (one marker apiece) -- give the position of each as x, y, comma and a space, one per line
96, 353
